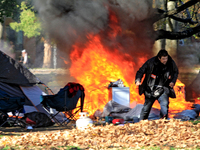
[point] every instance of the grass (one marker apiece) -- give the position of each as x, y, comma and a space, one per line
195, 122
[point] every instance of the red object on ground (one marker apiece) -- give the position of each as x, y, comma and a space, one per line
29, 121
118, 121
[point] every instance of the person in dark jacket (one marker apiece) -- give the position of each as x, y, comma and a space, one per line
161, 74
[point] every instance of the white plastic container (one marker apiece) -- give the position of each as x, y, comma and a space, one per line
121, 95
84, 121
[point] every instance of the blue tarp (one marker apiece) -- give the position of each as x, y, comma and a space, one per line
116, 110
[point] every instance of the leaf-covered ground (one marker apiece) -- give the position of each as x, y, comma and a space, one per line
170, 133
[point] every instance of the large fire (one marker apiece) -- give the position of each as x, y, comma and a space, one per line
97, 66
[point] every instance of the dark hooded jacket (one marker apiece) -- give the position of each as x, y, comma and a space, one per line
169, 74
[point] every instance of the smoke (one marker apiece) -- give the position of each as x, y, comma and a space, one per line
188, 55
137, 37
7, 48
70, 21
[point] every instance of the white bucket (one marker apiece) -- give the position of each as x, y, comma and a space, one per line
84, 121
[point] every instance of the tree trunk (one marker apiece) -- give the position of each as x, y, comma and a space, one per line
159, 44
1, 30
47, 54
171, 45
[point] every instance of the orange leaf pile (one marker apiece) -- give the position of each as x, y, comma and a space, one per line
161, 132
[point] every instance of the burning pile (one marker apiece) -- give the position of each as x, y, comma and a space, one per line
98, 66
106, 41
170, 133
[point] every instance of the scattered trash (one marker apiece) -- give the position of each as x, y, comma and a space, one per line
118, 83
29, 127
118, 121
108, 119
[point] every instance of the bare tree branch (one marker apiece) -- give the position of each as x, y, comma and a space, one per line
188, 20
163, 34
163, 14
187, 11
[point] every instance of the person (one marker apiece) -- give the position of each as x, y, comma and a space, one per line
24, 58
161, 74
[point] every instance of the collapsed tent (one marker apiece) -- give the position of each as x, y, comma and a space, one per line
18, 81
189, 114
117, 110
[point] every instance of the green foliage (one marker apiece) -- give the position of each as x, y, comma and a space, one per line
8, 8
29, 23
195, 122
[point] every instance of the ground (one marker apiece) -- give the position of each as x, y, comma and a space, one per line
20, 130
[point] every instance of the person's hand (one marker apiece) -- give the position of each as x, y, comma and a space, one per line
171, 84
138, 83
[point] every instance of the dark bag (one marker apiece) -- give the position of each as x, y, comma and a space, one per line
172, 93
38, 119
157, 92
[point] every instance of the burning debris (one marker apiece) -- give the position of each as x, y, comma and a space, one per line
104, 41
118, 83
114, 110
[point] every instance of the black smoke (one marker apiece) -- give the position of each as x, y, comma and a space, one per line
70, 21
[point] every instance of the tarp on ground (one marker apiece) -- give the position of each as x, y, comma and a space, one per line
116, 110
119, 111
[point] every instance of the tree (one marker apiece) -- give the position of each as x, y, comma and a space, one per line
186, 14
7, 9
31, 26
29, 23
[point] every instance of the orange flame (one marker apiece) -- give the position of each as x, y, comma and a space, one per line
66, 62
196, 97
98, 66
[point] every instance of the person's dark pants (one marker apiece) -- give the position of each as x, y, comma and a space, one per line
164, 104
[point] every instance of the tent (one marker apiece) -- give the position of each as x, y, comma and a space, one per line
17, 81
